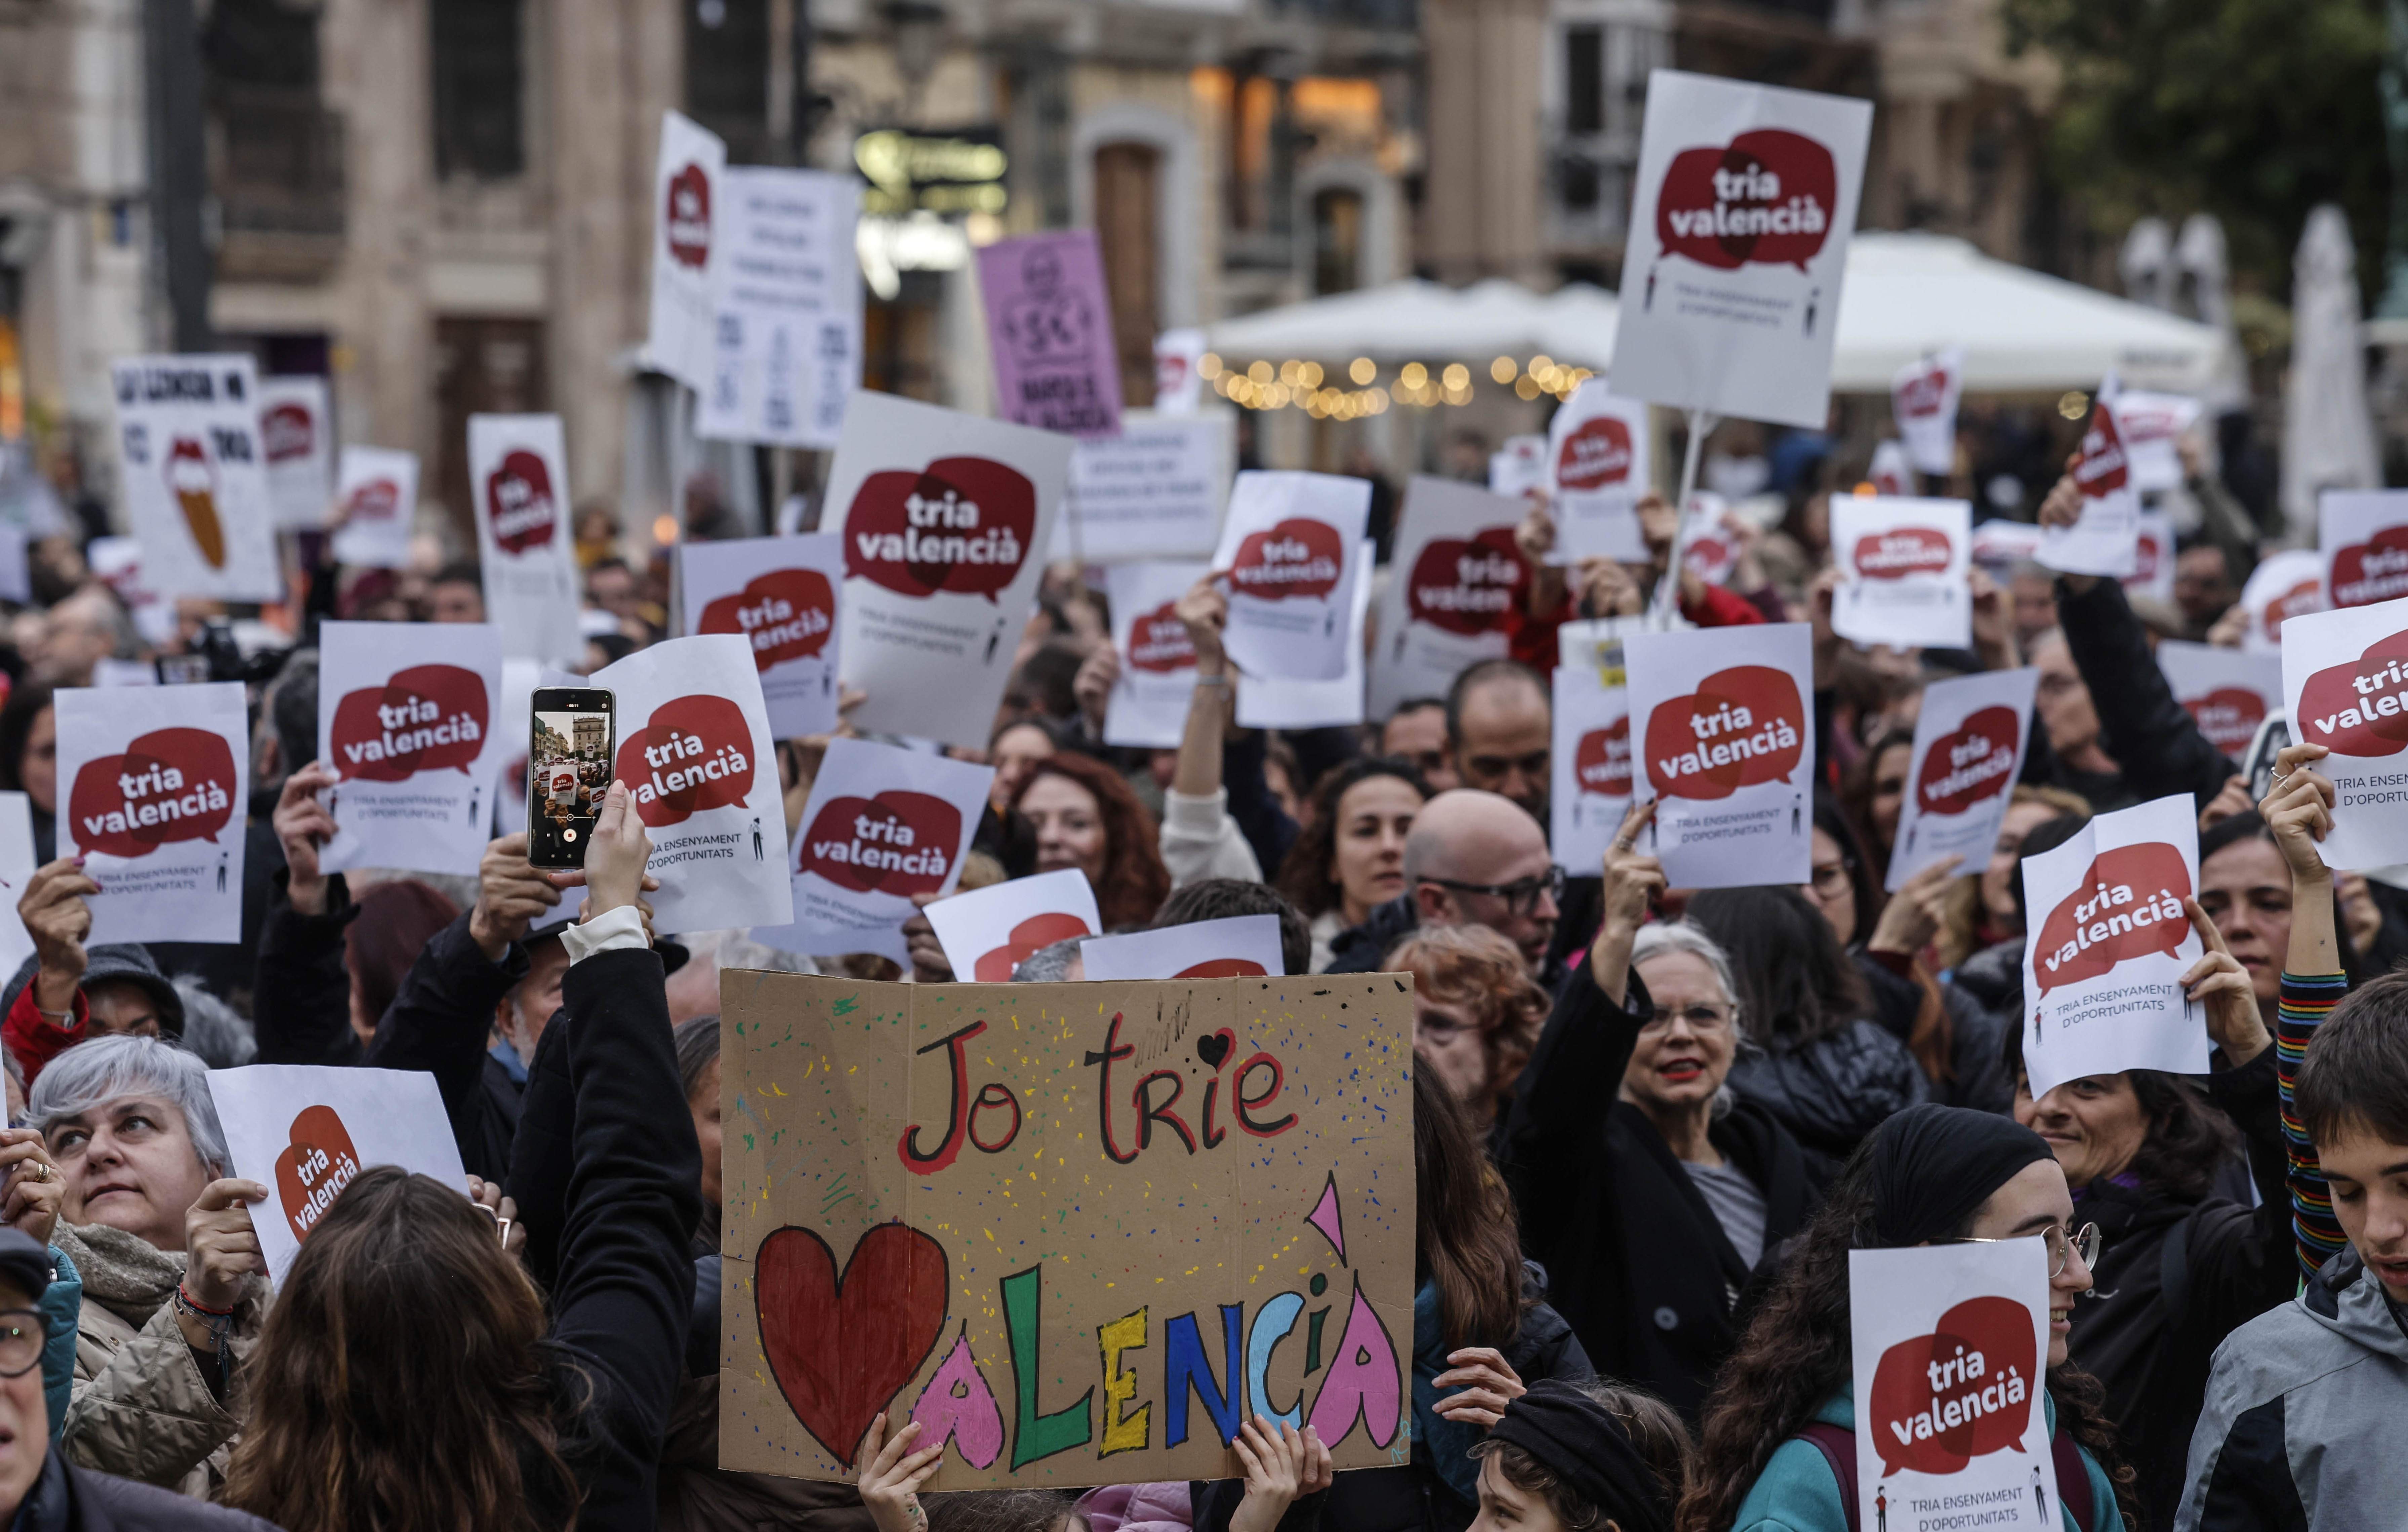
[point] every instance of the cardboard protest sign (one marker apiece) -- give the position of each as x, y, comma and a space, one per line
1999, 545
2103, 971
2153, 557
193, 474
2152, 425
156, 786
1922, 402
18, 860
1291, 551
1597, 475
687, 217
406, 714
1591, 759
883, 823
1078, 1232
2227, 692
378, 493
942, 515
1235, 947
1148, 707
518, 470
2363, 535
1709, 543
1178, 380
2101, 541
1746, 199
296, 438
694, 749
1950, 1353
1048, 324
1902, 565
779, 595
1154, 491
786, 352
1519, 466
1274, 703
2346, 688
307, 1131
2284, 585
1968, 753
1451, 591
987, 930
1720, 719
1889, 472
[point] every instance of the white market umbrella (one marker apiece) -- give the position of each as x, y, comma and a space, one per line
1415, 320
2328, 435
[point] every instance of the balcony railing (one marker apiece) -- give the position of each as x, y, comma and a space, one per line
276, 173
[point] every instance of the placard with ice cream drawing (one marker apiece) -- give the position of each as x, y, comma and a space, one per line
195, 475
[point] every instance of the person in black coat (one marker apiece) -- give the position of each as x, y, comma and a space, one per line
1649, 1215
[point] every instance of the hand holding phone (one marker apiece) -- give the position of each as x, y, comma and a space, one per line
572, 736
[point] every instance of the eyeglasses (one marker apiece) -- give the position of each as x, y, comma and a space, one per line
1701, 1018
23, 1332
2086, 1239
1521, 895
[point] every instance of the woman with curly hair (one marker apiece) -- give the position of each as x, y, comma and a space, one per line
1476, 1011
1086, 817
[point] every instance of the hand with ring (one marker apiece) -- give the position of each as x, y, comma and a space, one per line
35, 1190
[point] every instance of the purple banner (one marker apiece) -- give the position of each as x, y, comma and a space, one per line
1050, 325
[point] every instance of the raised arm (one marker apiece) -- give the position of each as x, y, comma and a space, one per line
301, 986
2298, 808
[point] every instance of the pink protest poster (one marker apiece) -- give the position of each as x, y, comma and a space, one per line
1049, 322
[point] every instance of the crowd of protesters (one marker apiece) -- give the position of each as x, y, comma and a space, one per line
1649, 1123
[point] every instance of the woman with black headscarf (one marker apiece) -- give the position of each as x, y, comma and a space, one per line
1780, 1431
1558, 1460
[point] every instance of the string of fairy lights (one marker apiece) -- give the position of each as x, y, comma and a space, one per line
1307, 386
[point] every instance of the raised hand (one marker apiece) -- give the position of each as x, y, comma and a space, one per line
1488, 1383
302, 826
2218, 982
891, 1474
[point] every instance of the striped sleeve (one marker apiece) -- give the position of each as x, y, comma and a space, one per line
2306, 1001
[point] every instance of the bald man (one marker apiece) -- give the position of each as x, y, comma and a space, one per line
1473, 858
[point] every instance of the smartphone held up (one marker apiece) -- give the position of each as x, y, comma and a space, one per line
573, 733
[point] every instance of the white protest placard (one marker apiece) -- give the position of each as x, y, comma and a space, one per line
1275, 703
1154, 491
1597, 474
694, 749
1999, 545
16, 569
779, 595
157, 784
2102, 542
942, 515
1519, 466
1902, 566
1596, 646
2346, 684
306, 1131
2152, 425
2227, 692
1291, 547
2363, 535
1451, 592
296, 435
786, 351
1236, 947
2103, 971
107, 671
988, 931
1592, 766
1950, 1347
1709, 545
1968, 753
378, 492
18, 861
1922, 402
883, 823
518, 472
1721, 720
1889, 472
117, 562
687, 219
2286, 584
2153, 557
1739, 241
1178, 380
1148, 707
520, 680
195, 475
407, 716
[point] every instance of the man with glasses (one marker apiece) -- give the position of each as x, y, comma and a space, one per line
1473, 858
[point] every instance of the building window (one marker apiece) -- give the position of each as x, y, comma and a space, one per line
1584, 79
727, 73
483, 367
1128, 181
1337, 241
478, 78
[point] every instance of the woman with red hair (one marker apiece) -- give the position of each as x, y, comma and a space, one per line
1085, 816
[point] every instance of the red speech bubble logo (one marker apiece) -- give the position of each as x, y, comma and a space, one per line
696, 753
193, 480
423, 718
286, 431
519, 500
1901, 551
1921, 397
1971, 764
170, 785
2229, 716
687, 213
2306, 596
898, 842
1223, 968
1466, 586
2356, 708
2100, 469
1766, 199
1601, 761
313, 1168
2374, 570
1964, 1391
994, 966
1298, 557
786, 614
1712, 554
2128, 905
1595, 453
1740, 727
962, 525
374, 500
1158, 642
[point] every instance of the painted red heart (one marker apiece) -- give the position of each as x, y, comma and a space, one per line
841, 1347
994, 967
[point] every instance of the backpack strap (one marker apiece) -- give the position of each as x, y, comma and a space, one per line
1838, 1445
2073, 1478
2173, 1272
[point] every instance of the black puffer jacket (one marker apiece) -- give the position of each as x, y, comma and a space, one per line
1977, 1068
1831, 1091
1359, 949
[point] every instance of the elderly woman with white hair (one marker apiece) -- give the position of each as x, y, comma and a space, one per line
173, 1283
1649, 1217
